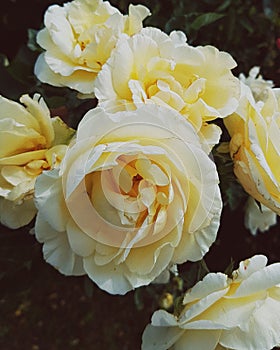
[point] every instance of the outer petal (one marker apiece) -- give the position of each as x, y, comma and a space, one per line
38, 108
198, 339
160, 338
248, 267
199, 307
79, 80
80, 243
15, 111
212, 282
162, 318
59, 28
136, 15
110, 278
195, 244
263, 334
63, 134
49, 199
260, 280
14, 215
56, 249
256, 219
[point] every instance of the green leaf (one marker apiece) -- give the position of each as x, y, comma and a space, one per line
230, 267
138, 299
246, 24
180, 22
179, 283
194, 272
235, 195
203, 269
206, 19
21, 67
63, 133
224, 6
56, 101
178, 305
32, 42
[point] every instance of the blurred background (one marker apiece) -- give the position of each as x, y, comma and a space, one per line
40, 308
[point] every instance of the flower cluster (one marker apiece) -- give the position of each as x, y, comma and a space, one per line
134, 191
78, 39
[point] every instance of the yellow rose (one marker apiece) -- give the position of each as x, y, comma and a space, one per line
30, 142
153, 67
257, 84
254, 146
78, 39
135, 195
241, 313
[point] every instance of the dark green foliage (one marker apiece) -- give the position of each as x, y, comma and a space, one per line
232, 192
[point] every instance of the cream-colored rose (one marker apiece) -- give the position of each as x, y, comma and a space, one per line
258, 217
241, 313
153, 67
135, 195
30, 142
255, 146
78, 39
257, 84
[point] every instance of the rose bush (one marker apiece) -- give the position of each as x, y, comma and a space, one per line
30, 142
136, 194
242, 312
78, 39
254, 146
153, 67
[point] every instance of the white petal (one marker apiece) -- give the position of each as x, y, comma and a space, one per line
212, 282
160, 338
15, 215
80, 243
56, 249
263, 333
49, 199
59, 28
200, 306
162, 318
198, 339
256, 219
249, 266
110, 278
260, 280
15, 111
144, 260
